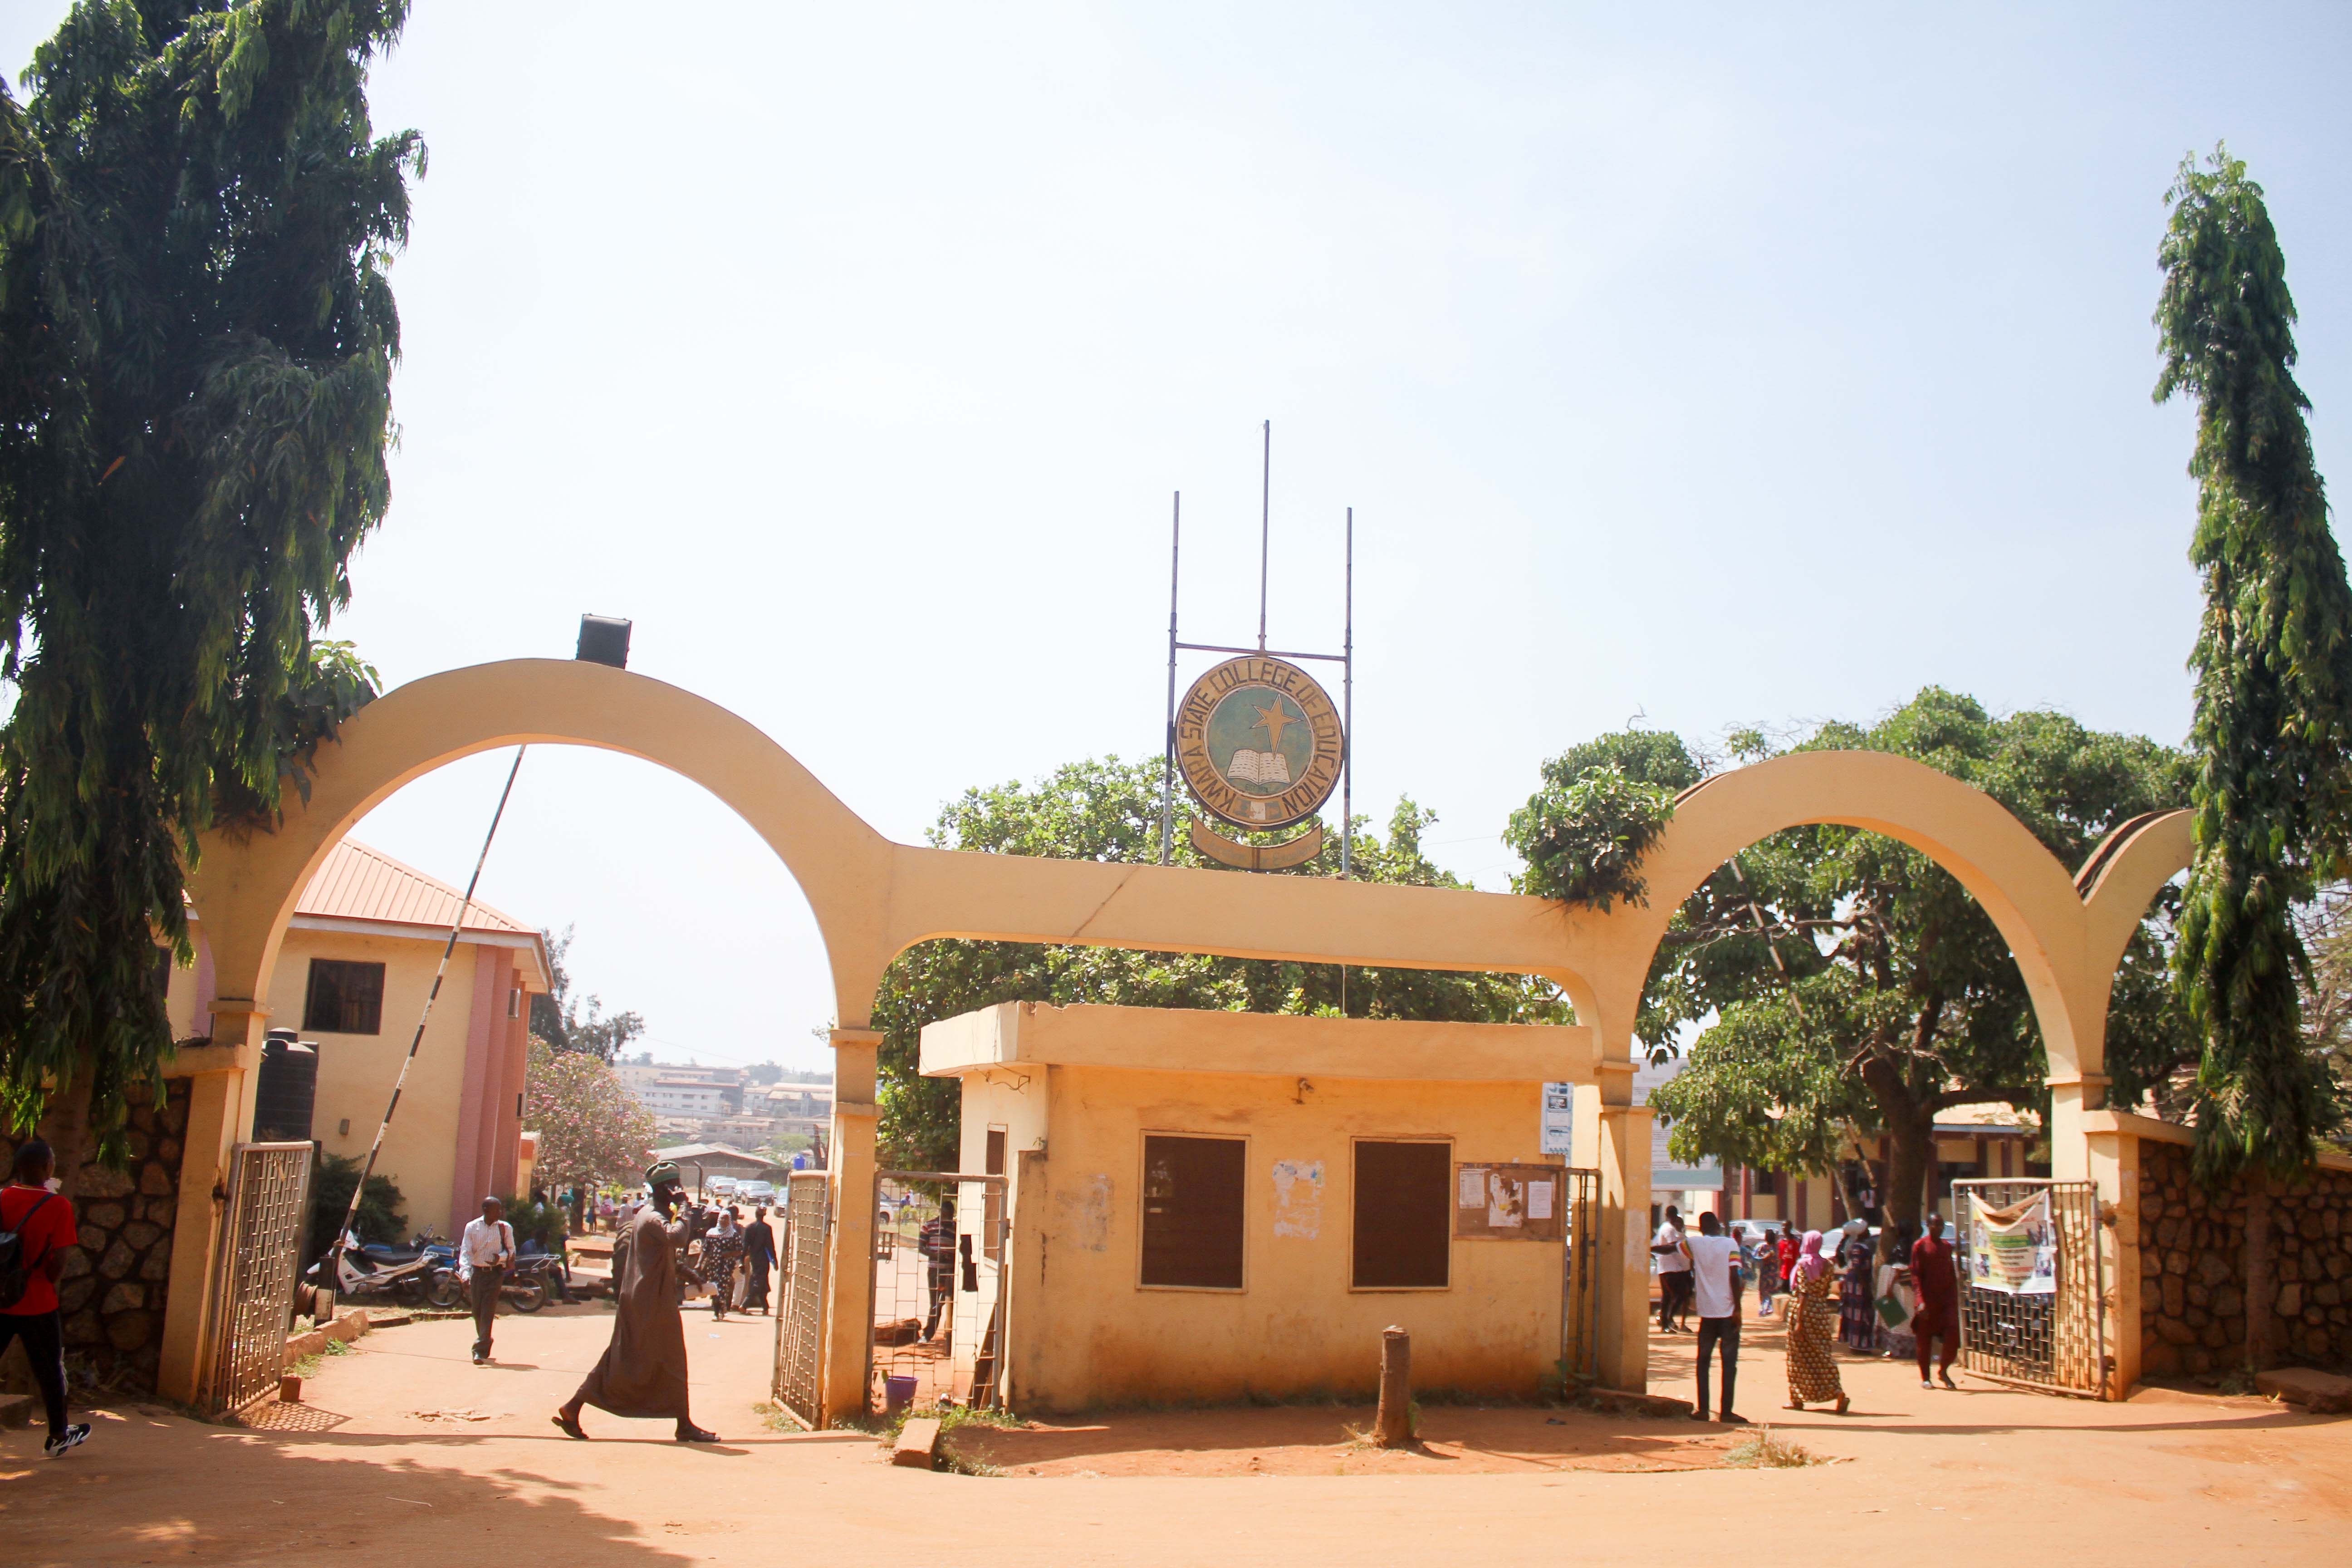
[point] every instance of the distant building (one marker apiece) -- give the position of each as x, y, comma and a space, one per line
700, 1162
359, 957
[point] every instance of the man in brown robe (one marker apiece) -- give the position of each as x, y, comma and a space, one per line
643, 1371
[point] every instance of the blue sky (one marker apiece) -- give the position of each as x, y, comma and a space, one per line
1728, 367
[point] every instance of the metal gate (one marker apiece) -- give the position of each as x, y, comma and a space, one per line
261, 1245
2055, 1340
935, 1290
1580, 1292
799, 1385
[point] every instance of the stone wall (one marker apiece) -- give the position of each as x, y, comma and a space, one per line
111, 1292
2192, 1269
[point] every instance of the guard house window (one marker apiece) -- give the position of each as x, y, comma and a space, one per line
344, 998
1404, 1215
1192, 1212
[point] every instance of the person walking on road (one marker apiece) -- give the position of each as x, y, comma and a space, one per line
1812, 1370
722, 1250
484, 1250
1674, 1271
642, 1372
1715, 1278
938, 1241
41, 1225
1936, 1285
759, 1252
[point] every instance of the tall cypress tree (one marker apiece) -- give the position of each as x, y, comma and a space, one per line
2273, 790
196, 341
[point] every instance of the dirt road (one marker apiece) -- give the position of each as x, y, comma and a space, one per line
405, 1455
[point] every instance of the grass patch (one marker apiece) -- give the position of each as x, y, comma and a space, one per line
1763, 1451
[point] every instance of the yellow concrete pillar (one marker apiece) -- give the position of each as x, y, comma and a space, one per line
219, 1093
849, 1320
2073, 1097
1623, 1282
2114, 1160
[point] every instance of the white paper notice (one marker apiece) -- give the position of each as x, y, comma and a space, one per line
1539, 1199
1473, 1188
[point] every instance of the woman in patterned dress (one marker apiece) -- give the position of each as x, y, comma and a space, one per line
722, 1250
1812, 1372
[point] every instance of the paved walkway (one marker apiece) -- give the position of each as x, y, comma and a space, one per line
387, 1464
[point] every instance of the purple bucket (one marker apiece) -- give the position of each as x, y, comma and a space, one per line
898, 1393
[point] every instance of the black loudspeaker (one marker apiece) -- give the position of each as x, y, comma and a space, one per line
605, 640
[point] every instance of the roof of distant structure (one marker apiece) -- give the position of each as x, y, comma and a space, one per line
1991, 1116
360, 883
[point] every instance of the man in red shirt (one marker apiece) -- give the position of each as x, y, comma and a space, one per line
43, 1223
1939, 1290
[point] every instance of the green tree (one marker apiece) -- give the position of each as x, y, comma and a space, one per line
570, 1023
196, 341
2273, 793
591, 1130
1107, 810
1854, 987
2273, 724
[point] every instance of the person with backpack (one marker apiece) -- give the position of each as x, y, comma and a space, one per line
37, 1226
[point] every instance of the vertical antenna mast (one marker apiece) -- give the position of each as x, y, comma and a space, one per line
1168, 757
1347, 716
1265, 500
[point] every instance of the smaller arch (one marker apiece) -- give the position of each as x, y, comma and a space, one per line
2022, 886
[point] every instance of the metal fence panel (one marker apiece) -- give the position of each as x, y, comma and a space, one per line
2056, 1341
799, 1383
268, 1210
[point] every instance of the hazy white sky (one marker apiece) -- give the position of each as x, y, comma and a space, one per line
1730, 367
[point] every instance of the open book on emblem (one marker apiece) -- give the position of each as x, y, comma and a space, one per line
1259, 768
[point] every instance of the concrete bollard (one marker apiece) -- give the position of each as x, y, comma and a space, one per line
1394, 1426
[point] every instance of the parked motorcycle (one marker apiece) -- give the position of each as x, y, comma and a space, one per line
534, 1279
404, 1274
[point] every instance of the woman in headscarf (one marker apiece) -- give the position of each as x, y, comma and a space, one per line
1857, 1319
1812, 1372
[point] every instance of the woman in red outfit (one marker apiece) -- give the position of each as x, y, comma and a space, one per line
1937, 1284
43, 1225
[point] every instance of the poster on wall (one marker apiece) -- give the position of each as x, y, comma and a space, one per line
1556, 1129
2014, 1249
1506, 1203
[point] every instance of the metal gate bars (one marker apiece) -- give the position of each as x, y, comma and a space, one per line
269, 1209
799, 1383
935, 1290
2032, 1287
1580, 1295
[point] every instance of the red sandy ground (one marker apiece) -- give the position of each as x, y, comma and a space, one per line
380, 1466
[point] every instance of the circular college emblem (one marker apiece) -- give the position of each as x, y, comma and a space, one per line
1259, 742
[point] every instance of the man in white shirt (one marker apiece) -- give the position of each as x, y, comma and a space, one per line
1673, 1270
483, 1253
1714, 1262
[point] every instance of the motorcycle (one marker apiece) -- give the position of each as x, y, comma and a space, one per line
366, 1268
534, 1279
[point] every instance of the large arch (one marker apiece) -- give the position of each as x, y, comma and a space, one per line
872, 897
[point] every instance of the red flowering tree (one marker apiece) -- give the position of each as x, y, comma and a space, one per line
591, 1130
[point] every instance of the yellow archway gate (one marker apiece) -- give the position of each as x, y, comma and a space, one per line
873, 899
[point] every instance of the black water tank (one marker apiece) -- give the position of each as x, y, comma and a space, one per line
289, 1088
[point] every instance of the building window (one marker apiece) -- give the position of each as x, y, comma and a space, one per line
344, 998
1404, 1215
1192, 1212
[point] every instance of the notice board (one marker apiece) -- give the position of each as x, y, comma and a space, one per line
1508, 1203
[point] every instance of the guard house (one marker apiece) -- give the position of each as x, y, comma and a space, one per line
1209, 1204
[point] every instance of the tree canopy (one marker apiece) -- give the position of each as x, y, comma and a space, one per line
1847, 983
591, 1130
571, 1023
1107, 810
196, 342
2272, 660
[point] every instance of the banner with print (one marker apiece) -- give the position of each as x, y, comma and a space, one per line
2013, 1249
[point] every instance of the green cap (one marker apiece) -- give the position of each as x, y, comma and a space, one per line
664, 1173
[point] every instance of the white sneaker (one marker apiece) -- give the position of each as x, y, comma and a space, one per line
75, 1436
